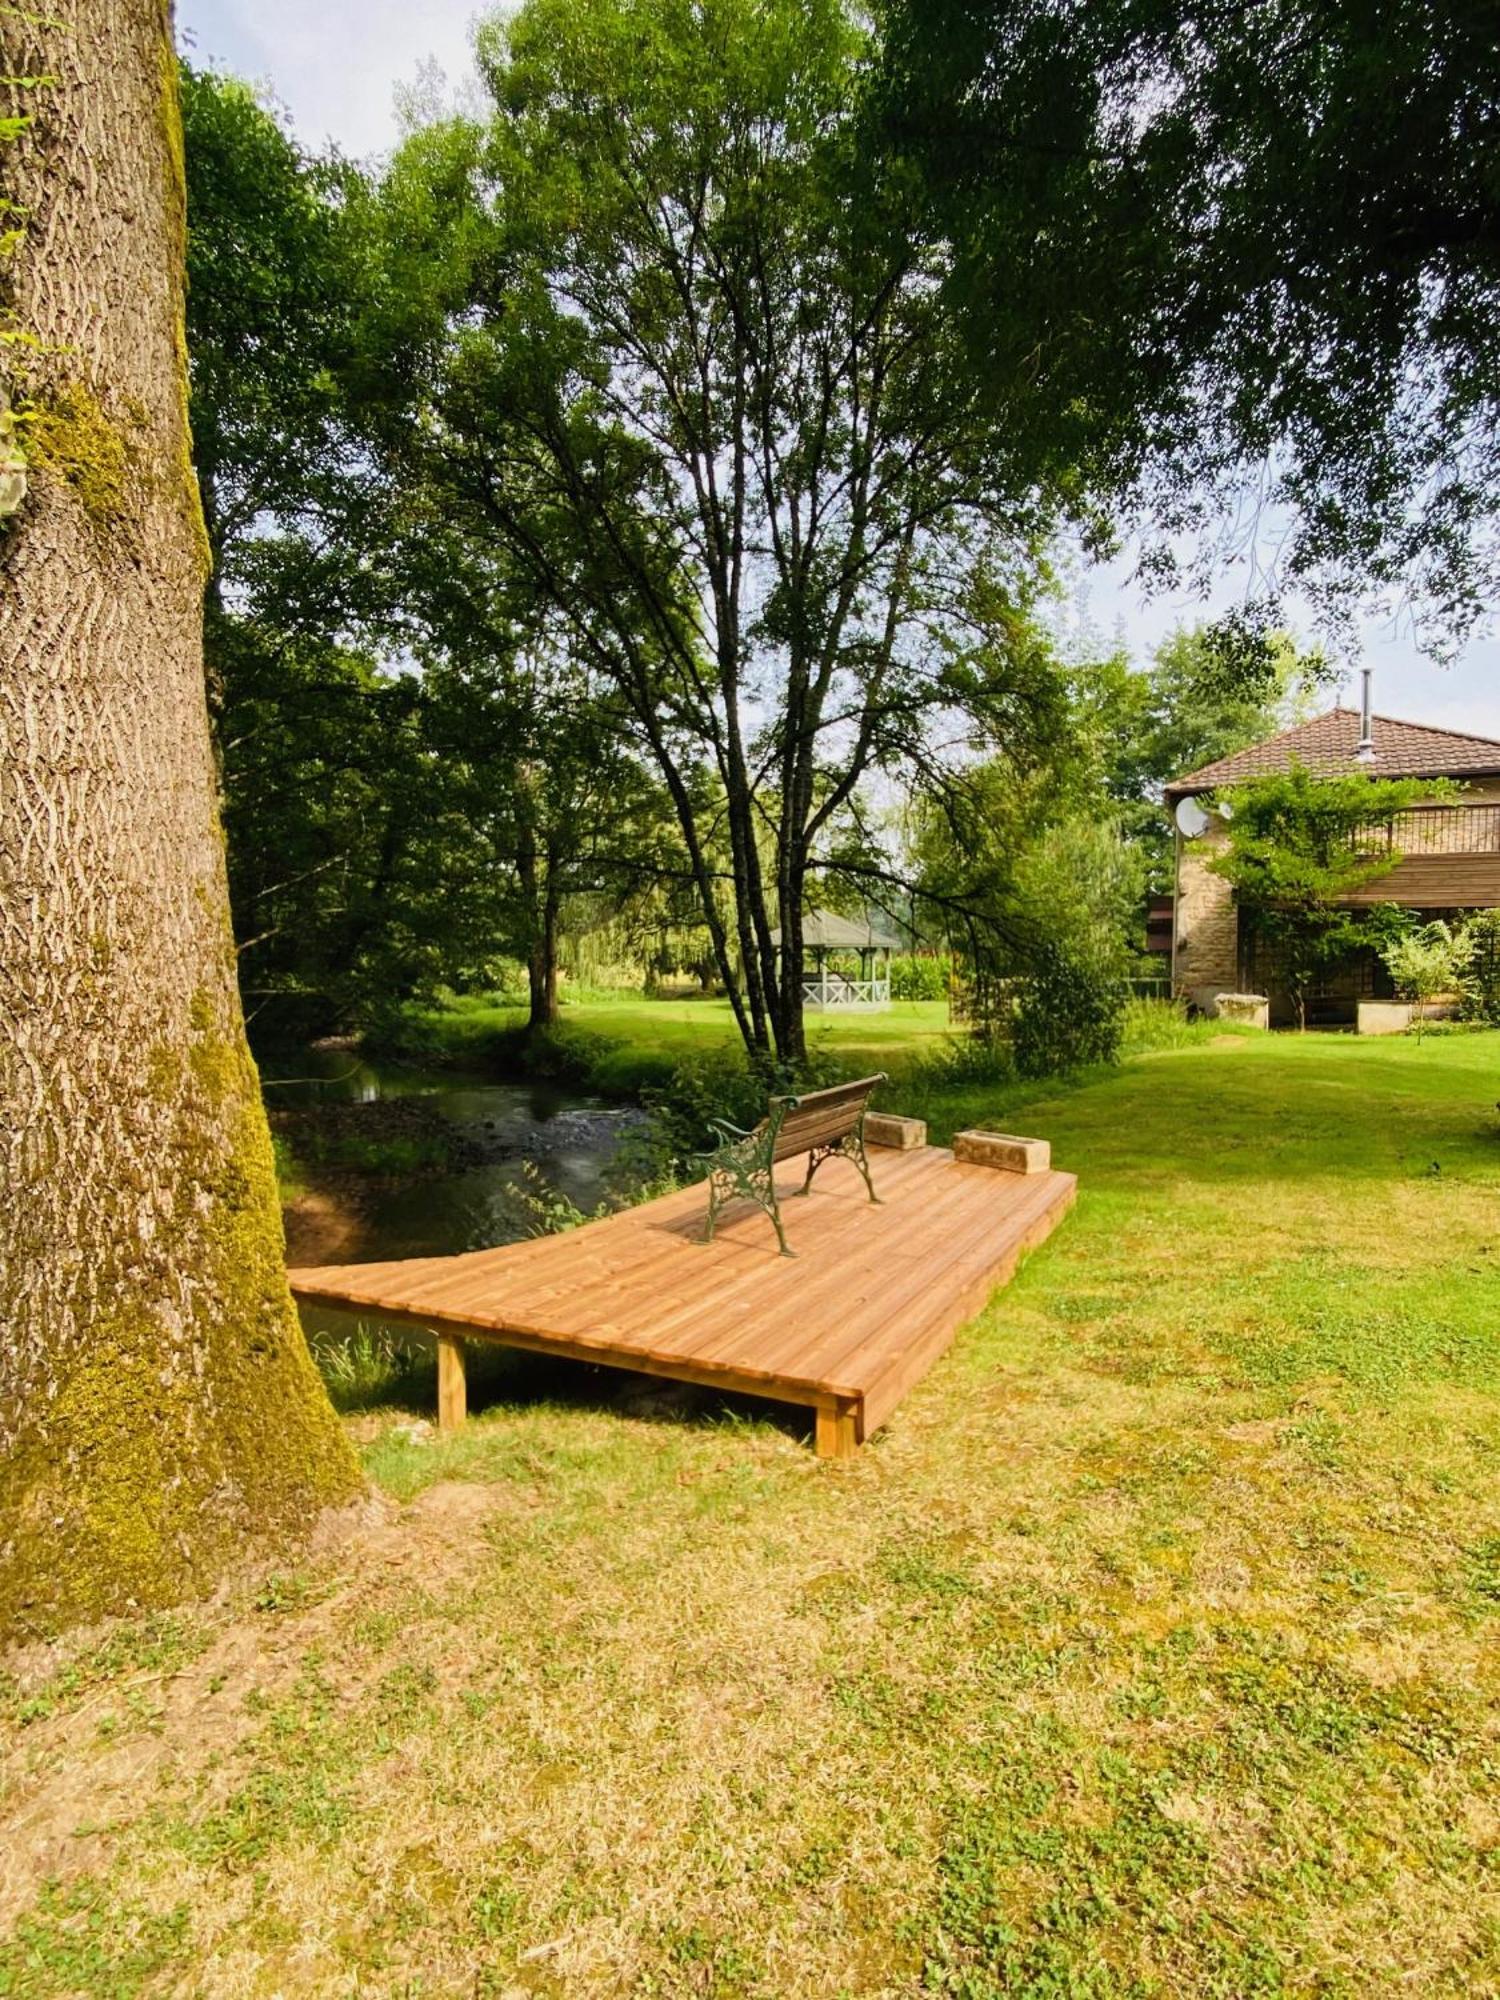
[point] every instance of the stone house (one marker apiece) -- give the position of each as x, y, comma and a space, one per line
1450, 853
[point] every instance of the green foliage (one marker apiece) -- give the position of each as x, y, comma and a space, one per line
352, 884
721, 1082
1273, 248
391, 831
1078, 888
1187, 708
963, 1061
1481, 987
279, 278
357, 877
373, 1365
702, 393
1069, 1013
1147, 1026
1043, 897
921, 976
1298, 847
1428, 961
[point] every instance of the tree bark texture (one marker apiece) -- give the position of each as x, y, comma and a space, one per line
158, 1407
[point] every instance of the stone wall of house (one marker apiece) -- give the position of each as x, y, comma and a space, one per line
1205, 939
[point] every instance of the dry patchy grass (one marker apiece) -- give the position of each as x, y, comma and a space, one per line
1151, 1649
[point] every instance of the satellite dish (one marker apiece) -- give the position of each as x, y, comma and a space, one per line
1191, 818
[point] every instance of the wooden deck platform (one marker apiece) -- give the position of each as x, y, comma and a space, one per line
847, 1326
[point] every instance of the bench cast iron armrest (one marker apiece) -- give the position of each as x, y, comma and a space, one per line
744, 1163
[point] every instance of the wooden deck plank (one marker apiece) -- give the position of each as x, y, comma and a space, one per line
873, 1297
937, 1273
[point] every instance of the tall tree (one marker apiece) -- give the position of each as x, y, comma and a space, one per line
280, 287
703, 389
539, 766
158, 1407
1283, 238
357, 878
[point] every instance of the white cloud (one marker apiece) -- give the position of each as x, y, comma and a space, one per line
335, 64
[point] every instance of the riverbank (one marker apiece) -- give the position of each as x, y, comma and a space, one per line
624, 1045
675, 1053
463, 1132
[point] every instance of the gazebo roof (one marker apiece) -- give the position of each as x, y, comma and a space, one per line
834, 933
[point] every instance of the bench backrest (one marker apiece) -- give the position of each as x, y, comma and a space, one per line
820, 1116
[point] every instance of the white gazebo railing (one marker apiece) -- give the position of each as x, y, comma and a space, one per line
830, 991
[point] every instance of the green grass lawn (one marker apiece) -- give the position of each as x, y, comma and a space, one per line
628, 1042
1151, 1650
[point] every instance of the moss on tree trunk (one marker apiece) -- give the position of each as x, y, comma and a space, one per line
159, 1412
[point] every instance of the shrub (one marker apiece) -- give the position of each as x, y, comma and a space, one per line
1158, 1024
1070, 1013
715, 1083
1428, 962
967, 1059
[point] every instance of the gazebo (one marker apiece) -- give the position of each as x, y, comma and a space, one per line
826, 936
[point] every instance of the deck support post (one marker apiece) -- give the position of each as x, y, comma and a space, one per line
837, 1435
453, 1388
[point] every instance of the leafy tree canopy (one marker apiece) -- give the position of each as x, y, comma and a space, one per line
1144, 727
278, 281
355, 877
1280, 270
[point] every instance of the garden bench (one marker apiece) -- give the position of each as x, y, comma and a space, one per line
820, 1123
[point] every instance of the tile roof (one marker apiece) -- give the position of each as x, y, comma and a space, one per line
1326, 745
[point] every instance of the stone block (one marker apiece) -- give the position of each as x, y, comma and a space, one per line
883, 1128
1382, 1017
1004, 1151
1253, 1011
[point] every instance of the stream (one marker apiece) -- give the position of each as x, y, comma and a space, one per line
398, 1161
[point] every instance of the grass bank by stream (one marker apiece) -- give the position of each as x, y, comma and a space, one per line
622, 1046
629, 1048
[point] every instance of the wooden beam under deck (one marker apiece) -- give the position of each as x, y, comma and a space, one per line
871, 1299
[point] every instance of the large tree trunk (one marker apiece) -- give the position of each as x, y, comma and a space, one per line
540, 899
541, 966
158, 1407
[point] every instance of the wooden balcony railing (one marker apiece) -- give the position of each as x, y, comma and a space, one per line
1437, 830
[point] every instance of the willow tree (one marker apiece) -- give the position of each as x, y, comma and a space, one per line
157, 1403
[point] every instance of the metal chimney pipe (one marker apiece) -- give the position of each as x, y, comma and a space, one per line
1364, 750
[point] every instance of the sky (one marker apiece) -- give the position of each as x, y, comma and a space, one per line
336, 67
